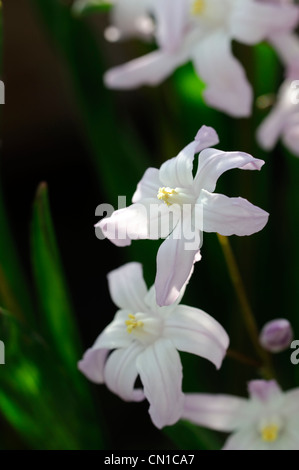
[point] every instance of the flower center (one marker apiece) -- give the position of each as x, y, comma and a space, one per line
166, 194
132, 323
198, 6
270, 433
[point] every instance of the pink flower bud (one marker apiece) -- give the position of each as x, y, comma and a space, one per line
276, 335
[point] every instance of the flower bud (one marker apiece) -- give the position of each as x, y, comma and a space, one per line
276, 335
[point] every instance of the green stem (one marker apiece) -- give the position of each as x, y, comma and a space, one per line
248, 317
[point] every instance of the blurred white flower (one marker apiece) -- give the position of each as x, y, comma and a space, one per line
268, 420
202, 31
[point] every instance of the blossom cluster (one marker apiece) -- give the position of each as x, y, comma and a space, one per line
177, 204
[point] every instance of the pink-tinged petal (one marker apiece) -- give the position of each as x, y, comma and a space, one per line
149, 185
287, 47
227, 87
151, 302
251, 22
194, 331
219, 412
120, 372
160, 370
230, 216
149, 219
92, 364
150, 69
213, 163
177, 172
206, 137
171, 16
127, 287
174, 266
290, 135
246, 439
264, 390
278, 120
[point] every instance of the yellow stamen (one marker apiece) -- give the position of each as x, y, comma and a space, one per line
270, 433
165, 193
198, 7
133, 323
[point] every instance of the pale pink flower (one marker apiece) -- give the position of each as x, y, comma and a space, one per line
172, 193
144, 339
202, 31
268, 420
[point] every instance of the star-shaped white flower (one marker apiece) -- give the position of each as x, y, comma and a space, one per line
268, 420
171, 203
202, 31
144, 340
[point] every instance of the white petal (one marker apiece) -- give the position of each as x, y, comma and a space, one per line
127, 287
174, 266
227, 86
120, 373
149, 185
264, 390
151, 302
150, 69
194, 331
213, 163
206, 137
92, 364
115, 335
171, 18
125, 15
230, 215
177, 172
148, 219
252, 21
160, 370
290, 136
219, 412
287, 46
246, 439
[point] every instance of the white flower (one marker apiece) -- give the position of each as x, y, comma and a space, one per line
283, 120
172, 193
268, 420
144, 340
202, 31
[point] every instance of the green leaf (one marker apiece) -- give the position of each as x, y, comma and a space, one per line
57, 318
88, 7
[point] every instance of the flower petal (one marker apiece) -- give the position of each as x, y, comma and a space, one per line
151, 302
174, 266
219, 412
246, 439
160, 370
177, 172
115, 335
171, 16
127, 287
213, 163
194, 331
92, 364
149, 185
120, 373
264, 390
206, 137
227, 86
149, 219
150, 69
230, 216
253, 21
126, 15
